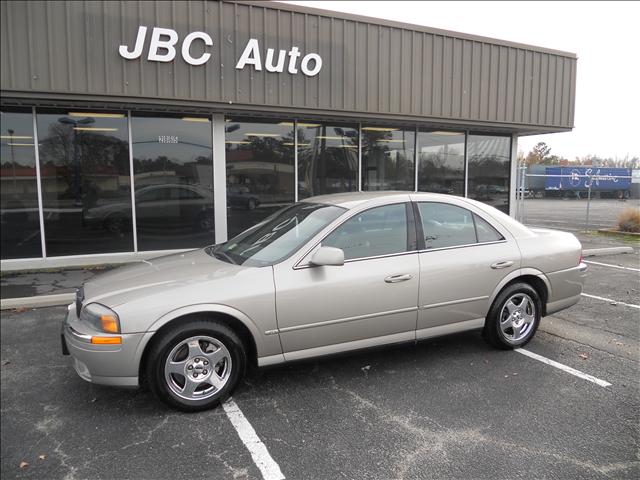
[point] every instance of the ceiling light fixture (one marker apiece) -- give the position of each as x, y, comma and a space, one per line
196, 119
380, 129
97, 115
95, 129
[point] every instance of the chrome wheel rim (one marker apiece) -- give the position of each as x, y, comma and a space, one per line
517, 317
197, 367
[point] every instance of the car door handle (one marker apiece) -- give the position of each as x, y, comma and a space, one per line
398, 278
499, 265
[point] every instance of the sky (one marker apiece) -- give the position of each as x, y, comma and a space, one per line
604, 35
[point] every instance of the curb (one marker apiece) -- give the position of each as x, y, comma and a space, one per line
599, 252
39, 301
618, 233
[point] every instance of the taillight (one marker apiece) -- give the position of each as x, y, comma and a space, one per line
581, 258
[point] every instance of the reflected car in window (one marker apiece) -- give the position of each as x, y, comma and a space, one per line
193, 207
330, 274
240, 196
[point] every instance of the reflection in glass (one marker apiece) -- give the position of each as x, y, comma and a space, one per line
327, 159
388, 158
260, 170
278, 236
20, 224
441, 162
377, 231
172, 163
84, 165
489, 158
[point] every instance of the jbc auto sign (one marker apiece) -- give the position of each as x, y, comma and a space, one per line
164, 43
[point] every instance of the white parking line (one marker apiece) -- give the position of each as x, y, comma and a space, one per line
563, 367
610, 300
612, 266
268, 467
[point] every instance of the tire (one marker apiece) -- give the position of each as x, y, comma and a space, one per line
514, 317
189, 350
115, 223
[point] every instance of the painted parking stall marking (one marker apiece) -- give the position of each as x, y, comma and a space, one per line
565, 368
258, 450
611, 301
591, 262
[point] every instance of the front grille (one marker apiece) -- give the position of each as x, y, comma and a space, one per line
79, 300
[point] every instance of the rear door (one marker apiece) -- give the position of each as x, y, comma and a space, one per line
462, 260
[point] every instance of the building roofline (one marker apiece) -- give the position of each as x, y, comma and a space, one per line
401, 25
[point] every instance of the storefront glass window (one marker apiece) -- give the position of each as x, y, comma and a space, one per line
388, 158
260, 170
20, 230
441, 162
327, 159
489, 158
84, 165
172, 163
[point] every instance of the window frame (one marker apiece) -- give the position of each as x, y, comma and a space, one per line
422, 248
412, 237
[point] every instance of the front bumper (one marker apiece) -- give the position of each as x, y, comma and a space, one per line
102, 364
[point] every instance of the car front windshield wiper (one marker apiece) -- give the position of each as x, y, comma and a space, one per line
220, 255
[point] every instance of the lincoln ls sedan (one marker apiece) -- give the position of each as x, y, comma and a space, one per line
330, 274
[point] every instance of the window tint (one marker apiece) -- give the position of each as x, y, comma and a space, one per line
378, 231
260, 170
86, 182
446, 225
485, 232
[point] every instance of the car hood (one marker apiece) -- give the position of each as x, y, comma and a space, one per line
168, 273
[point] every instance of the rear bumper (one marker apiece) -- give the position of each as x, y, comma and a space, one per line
101, 364
566, 288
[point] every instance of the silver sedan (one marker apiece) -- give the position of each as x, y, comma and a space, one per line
330, 274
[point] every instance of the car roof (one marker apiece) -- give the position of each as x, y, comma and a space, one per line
353, 199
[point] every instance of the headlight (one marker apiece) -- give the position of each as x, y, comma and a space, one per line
101, 318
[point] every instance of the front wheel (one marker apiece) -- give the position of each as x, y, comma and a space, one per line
514, 317
196, 365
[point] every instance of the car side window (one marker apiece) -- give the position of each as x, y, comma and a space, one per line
485, 232
377, 231
446, 225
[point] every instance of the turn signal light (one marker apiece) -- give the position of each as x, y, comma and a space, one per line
109, 323
106, 340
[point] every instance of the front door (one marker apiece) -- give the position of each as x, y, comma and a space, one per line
371, 299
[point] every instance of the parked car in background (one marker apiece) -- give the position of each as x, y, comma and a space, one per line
241, 196
331, 274
191, 205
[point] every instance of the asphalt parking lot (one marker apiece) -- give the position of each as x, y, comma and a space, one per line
571, 213
448, 408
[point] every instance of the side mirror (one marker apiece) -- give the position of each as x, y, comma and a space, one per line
328, 256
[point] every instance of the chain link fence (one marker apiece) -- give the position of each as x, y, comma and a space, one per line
582, 198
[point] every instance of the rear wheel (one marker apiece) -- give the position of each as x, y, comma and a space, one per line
514, 317
196, 365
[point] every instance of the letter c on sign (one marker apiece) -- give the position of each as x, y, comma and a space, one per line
186, 46
304, 66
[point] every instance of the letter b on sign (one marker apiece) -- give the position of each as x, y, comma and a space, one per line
168, 44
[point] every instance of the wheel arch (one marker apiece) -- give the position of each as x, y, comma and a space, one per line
530, 276
234, 319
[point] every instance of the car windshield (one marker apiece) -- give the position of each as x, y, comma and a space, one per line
278, 236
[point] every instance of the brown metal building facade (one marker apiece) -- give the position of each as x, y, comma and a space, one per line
342, 102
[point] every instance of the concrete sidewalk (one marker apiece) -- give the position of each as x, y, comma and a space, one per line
44, 282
